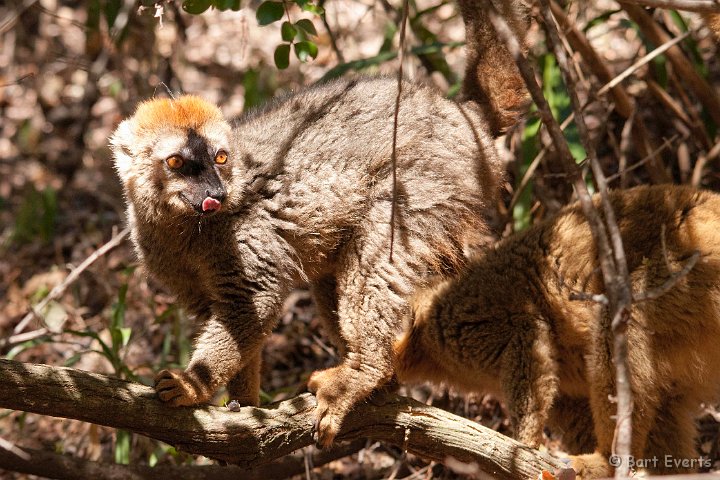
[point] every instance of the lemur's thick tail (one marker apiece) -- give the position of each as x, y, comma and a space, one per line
416, 353
491, 78
408, 355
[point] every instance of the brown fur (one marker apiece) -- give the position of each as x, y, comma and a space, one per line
507, 325
491, 77
713, 22
306, 196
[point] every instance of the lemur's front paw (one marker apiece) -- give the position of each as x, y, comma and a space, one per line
330, 389
327, 425
178, 389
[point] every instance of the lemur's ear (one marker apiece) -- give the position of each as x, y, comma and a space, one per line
121, 143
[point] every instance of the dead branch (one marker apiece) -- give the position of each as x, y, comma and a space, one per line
401, 60
701, 6
35, 312
677, 58
624, 103
54, 465
580, 43
702, 161
643, 61
254, 436
612, 261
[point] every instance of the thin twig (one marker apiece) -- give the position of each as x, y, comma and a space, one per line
702, 161
401, 58
580, 43
36, 311
331, 34
533, 166
11, 447
642, 162
701, 6
600, 298
612, 260
24, 337
644, 60
626, 140
9, 21
682, 66
674, 276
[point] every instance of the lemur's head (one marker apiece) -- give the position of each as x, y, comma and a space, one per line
173, 156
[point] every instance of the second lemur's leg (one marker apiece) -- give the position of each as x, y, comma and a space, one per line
570, 417
672, 435
529, 379
371, 301
601, 379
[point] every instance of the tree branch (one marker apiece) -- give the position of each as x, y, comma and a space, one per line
254, 436
54, 465
701, 6
683, 67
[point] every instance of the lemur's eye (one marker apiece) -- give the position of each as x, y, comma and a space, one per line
175, 162
221, 157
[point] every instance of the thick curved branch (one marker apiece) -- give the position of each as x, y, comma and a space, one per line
255, 436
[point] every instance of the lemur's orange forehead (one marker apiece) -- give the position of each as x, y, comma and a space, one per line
187, 111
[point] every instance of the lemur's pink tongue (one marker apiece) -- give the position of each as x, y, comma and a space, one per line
210, 204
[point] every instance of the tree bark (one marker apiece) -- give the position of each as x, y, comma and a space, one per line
254, 436
64, 467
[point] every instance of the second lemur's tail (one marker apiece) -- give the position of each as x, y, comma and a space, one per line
418, 355
491, 78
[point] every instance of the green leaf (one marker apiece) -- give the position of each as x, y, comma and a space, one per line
111, 11
125, 335
305, 50
226, 4
309, 7
265, 397
307, 26
282, 56
17, 349
388, 37
269, 12
602, 18
196, 7
357, 65
288, 32
74, 359
122, 447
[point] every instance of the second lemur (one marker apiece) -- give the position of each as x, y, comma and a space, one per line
507, 325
